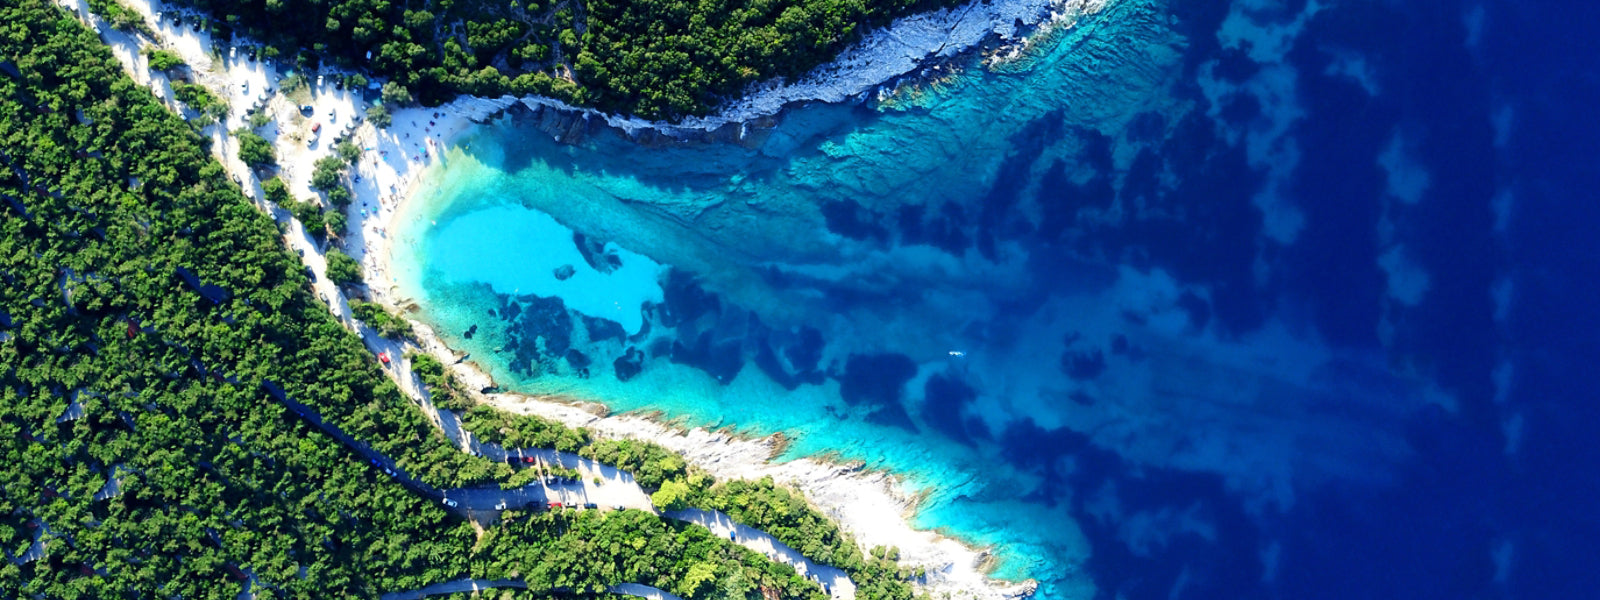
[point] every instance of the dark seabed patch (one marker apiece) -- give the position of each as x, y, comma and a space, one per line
1254, 293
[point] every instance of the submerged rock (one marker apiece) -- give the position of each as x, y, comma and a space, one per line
564, 272
944, 409
875, 379
596, 254
684, 300
605, 329
628, 365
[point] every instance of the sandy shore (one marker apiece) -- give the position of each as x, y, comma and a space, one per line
876, 507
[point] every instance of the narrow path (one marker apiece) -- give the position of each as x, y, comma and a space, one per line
473, 585
834, 581
454, 587
597, 483
642, 591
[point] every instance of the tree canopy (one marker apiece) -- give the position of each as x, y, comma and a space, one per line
654, 58
255, 150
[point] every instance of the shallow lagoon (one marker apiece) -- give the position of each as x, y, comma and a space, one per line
1127, 310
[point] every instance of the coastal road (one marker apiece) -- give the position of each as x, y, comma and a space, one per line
488, 500
483, 501
599, 483
833, 580
461, 586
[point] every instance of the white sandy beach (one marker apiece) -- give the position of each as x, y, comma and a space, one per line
875, 507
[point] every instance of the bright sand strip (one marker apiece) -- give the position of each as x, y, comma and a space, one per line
875, 507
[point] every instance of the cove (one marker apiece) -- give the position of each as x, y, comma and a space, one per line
1069, 297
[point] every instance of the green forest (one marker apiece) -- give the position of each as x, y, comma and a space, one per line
147, 310
653, 58
760, 504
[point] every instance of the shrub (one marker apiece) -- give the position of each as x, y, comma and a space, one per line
337, 222
277, 192
310, 216
162, 60
441, 386
120, 16
380, 319
342, 269
200, 99
673, 495
394, 93
339, 196
327, 173
255, 150
348, 151
379, 117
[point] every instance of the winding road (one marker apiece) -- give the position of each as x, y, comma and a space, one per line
834, 581
474, 585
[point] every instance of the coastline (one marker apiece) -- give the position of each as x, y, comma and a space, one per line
874, 63
874, 506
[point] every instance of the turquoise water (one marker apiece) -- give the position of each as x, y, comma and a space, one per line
1063, 296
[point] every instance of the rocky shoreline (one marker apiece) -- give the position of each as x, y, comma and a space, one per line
874, 506
910, 51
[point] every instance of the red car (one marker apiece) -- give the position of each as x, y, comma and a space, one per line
555, 505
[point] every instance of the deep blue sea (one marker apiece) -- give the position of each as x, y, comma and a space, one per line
1200, 300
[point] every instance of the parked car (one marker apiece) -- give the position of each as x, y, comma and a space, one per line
390, 472
591, 506
555, 505
511, 460
618, 507
451, 503
534, 505
501, 505
572, 505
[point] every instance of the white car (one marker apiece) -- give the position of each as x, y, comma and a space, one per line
501, 505
451, 503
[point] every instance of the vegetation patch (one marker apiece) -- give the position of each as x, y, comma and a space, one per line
653, 58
